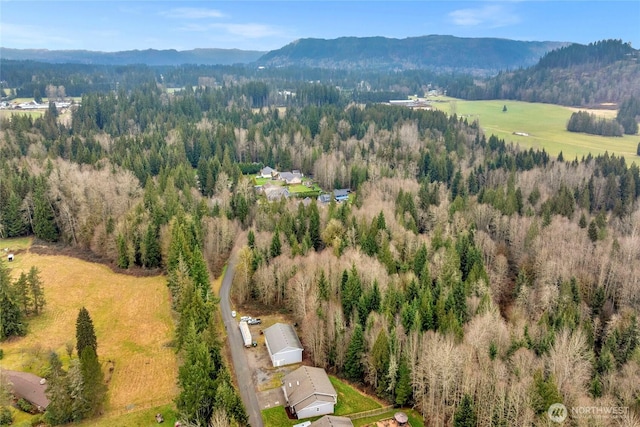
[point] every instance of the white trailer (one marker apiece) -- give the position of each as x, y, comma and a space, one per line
246, 334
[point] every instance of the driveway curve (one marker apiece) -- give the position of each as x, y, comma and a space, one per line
238, 355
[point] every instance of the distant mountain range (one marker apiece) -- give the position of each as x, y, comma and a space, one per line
150, 57
479, 56
439, 53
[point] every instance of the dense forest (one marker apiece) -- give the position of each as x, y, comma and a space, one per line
463, 272
607, 71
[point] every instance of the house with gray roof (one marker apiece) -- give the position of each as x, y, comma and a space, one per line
332, 421
27, 386
309, 392
267, 172
283, 344
341, 195
274, 193
291, 178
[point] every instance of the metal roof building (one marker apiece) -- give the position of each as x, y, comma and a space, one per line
283, 344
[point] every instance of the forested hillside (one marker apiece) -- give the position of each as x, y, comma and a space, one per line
460, 268
603, 72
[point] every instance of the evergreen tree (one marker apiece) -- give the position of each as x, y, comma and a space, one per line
152, 257
12, 218
197, 388
404, 390
60, 409
323, 287
123, 252
44, 225
35, 287
94, 389
199, 273
276, 246
11, 317
583, 221
465, 415
353, 368
22, 294
593, 231
314, 226
85, 334
251, 239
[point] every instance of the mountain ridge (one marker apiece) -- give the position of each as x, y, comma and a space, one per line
444, 53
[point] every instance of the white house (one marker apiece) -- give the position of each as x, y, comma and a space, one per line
309, 392
332, 421
283, 344
267, 172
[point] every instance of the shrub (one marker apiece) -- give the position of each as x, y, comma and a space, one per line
6, 417
24, 406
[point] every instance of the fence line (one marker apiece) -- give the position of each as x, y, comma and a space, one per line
370, 413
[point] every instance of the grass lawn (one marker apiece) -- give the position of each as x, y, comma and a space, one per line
299, 188
263, 181
132, 320
350, 400
6, 114
145, 418
277, 417
15, 244
546, 125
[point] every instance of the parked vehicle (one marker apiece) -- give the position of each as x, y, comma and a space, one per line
254, 321
246, 334
233, 313
245, 318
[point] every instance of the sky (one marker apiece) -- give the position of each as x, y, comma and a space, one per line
118, 25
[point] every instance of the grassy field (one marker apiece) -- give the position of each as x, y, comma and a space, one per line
544, 123
132, 319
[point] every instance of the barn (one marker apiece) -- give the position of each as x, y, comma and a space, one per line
283, 344
309, 392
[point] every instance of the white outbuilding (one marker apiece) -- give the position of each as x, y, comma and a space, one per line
283, 344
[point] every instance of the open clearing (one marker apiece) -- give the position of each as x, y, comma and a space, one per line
545, 125
132, 319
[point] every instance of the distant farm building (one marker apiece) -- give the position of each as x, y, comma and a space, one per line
332, 421
283, 344
267, 172
341, 195
324, 198
309, 392
274, 192
291, 178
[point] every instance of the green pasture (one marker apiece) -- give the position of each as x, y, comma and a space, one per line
545, 125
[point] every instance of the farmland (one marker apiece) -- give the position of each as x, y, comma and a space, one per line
131, 316
545, 125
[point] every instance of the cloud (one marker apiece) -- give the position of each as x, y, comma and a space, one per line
31, 36
193, 13
491, 16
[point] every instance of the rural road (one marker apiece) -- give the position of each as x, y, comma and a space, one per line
238, 356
